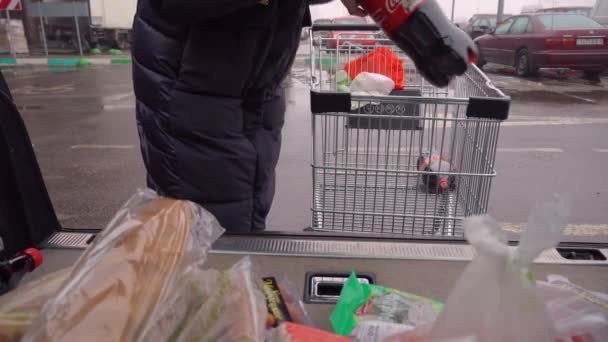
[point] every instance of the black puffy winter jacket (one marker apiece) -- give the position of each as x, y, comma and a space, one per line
210, 109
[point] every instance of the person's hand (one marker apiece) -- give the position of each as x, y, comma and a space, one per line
353, 7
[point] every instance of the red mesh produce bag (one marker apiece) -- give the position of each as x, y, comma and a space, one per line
381, 61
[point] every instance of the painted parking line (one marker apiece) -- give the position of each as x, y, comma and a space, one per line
600, 150
101, 147
111, 107
557, 122
118, 97
579, 98
532, 149
571, 229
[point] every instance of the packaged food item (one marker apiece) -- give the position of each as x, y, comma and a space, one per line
234, 310
292, 332
19, 307
118, 285
377, 331
496, 298
277, 309
578, 314
360, 302
283, 301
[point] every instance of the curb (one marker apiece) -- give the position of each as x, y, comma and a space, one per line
322, 60
65, 62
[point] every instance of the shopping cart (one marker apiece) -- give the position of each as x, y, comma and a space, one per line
367, 150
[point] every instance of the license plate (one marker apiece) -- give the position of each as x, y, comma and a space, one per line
590, 41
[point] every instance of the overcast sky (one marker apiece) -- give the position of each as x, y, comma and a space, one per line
463, 9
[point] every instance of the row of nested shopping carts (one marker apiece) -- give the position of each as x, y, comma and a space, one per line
369, 152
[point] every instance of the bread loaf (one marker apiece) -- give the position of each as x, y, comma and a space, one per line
132, 266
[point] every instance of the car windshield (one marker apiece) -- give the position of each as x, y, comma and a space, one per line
487, 22
567, 21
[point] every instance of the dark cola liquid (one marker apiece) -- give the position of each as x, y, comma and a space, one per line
13, 270
439, 49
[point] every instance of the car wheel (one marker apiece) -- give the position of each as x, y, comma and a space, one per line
523, 64
481, 61
592, 74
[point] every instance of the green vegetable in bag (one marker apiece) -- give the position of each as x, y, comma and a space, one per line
360, 302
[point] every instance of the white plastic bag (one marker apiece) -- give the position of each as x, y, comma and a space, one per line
371, 84
496, 297
578, 314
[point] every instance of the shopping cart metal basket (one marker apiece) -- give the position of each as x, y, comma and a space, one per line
371, 153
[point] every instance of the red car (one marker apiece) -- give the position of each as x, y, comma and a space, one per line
541, 40
349, 37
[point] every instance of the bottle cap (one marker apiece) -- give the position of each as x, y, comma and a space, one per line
35, 255
443, 184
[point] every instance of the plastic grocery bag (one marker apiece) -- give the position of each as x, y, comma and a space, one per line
234, 310
370, 84
119, 284
496, 297
380, 60
192, 289
361, 304
19, 307
343, 81
578, 314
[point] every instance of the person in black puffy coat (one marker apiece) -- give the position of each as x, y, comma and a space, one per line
209, 105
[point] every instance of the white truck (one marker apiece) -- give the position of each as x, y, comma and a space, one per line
111, 22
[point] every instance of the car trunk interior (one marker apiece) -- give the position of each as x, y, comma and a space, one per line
424, 268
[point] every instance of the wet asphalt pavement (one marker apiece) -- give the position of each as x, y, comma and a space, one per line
82, 125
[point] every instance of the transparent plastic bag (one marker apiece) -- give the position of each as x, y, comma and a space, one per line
19, 307
378, 305
192, 289
496, 297
578, 314
234, 310
119, 284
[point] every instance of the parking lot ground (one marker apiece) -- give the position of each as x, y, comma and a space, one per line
82, 126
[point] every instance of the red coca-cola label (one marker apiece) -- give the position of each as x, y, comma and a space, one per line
389, 14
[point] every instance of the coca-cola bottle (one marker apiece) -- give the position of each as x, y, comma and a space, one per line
439, 49
441, 179
11, 271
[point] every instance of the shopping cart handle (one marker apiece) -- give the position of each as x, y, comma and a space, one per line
489, 107
345, 27
329, 102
